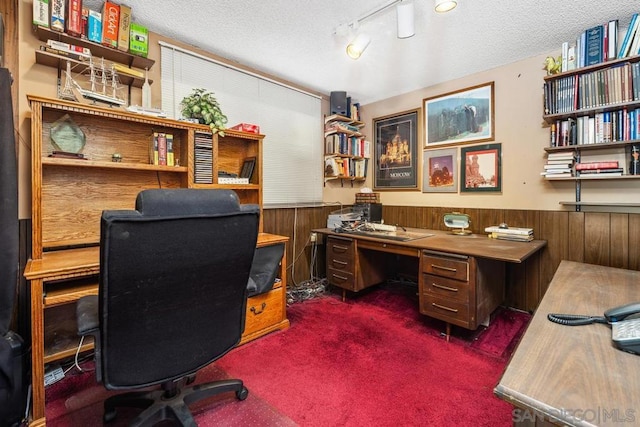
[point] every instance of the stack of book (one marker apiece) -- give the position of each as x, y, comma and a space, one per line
510, 233
608, 168
558, 165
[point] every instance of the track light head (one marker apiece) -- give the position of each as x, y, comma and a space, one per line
358, 45
445, 5
404, 12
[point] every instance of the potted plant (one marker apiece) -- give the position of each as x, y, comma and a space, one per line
204, 106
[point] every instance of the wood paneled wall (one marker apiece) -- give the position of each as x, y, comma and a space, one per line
610, 239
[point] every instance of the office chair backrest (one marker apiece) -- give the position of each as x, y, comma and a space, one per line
173, 277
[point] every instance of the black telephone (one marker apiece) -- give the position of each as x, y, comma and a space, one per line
624, 321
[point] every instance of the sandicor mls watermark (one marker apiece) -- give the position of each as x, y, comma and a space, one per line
590, 415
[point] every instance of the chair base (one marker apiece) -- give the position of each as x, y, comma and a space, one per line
170, 403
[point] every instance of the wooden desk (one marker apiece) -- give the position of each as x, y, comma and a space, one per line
572, 375
461, 278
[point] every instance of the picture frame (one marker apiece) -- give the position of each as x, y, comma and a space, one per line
396, 151
461, 117
440, 171
247, 168
481, 168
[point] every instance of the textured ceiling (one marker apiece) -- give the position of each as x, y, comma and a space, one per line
296, 40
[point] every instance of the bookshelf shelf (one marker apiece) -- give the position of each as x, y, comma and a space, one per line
346, 151
615, 204
591, 112
97, 50
69, 195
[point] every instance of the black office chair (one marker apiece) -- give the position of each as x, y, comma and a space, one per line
172, 298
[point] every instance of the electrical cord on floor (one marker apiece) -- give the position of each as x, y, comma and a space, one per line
575, 319
306, 291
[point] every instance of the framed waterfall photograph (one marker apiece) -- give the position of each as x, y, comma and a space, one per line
460, 117
396, 151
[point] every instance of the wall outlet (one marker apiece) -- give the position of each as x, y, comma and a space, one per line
313, 237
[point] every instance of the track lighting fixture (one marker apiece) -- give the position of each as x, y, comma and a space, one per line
358, 45
404, 12
445, 5
405, 23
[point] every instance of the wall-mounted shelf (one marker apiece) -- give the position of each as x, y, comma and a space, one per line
613, 204
97, 50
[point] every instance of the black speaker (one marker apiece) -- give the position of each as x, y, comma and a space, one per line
338, 103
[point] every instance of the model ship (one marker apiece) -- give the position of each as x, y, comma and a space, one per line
104, 85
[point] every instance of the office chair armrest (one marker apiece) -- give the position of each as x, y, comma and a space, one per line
87, 315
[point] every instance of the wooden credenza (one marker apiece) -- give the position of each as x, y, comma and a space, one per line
69, 195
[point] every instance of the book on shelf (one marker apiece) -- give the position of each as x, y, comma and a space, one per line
556, 172
612, 39
153, 149
58, 13
563, 155
110, 24
595, 40
171, 160
70, 55
608, 172
162, 149
123, 30
74, 19
41, 13
94, 26
625, 46
521, 231
611, 164
67, 47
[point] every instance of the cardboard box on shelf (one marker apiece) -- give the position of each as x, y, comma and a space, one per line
138, 40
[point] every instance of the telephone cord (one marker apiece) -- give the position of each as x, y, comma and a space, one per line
575, 319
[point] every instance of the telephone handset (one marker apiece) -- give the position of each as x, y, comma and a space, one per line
624, 321
625, 332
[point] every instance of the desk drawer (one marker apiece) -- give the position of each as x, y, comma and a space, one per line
264, 310
449, 310
341, 263
445, 267
445, 288
342, 279
342, 248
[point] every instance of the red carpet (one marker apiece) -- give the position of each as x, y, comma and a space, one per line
372, 360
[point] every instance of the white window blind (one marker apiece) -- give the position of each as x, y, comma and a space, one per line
290, 119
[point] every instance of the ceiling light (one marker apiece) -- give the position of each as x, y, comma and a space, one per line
404, 13
358, 45
445, 5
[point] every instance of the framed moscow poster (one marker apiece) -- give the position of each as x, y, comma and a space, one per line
481, 168
396, 151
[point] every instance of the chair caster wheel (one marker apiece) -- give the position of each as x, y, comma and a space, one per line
242, 394
109, 416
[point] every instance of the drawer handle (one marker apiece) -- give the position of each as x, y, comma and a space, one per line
337, 261
339, 277
446, 288
255, 311
435, 267
341, 248
453, 310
